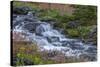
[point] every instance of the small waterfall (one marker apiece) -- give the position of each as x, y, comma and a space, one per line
48, 38
43, 28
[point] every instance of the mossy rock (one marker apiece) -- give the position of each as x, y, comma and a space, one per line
73, 32
46, 18
84, 31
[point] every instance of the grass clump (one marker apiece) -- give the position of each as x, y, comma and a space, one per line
27, 54
73, 32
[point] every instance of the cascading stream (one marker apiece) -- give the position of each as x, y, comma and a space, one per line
48, 38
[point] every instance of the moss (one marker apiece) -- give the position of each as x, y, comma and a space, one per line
84, 31
48, 15
79, 32
86, 14
73, 32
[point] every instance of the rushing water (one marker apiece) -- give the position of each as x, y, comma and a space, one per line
48, 38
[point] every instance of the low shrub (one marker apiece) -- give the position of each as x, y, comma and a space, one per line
27, 54
73, 32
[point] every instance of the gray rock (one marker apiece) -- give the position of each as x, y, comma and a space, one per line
92, 36
73, 24
93, 31
31, 26
21, 10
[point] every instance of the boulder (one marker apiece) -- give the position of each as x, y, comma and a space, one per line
30, 26
92, 36
73, 24
93, 31
21, 10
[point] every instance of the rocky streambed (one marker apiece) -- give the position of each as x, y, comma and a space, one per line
28, 27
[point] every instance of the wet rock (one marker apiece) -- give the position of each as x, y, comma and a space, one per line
88, 57
46, 20
28, 62
31, 19
91, 49
21, 10
92, 36
93, 31
78, 47
31, 27
73, 24
53, 39
65, 43
18, 20
25, 21
24, 61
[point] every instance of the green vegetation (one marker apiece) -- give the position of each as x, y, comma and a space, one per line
86, 14
28, 54
19, 4
73, 32
25, 53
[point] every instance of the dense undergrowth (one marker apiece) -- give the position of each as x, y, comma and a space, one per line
25, 53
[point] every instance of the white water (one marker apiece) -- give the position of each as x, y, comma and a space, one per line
48, 38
